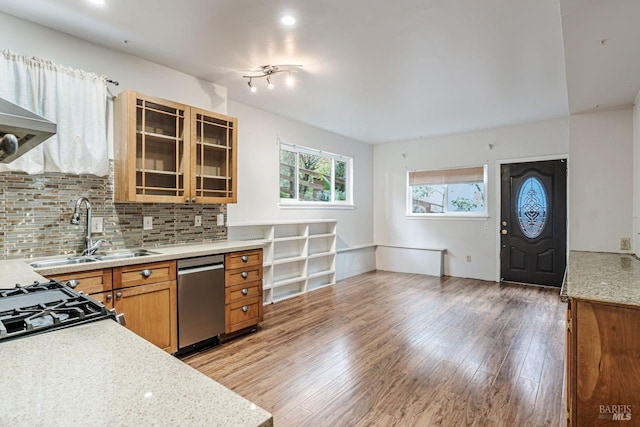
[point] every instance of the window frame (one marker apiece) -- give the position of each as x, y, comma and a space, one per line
332, 204
446, 214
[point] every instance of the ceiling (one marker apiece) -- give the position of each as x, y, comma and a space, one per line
380, 71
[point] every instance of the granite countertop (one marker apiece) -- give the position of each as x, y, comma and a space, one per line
607, 277
104, 375
19, 271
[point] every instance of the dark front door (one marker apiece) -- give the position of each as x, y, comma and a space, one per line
533, 224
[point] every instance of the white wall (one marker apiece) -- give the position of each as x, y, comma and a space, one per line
601, 180
259, 174
461, 237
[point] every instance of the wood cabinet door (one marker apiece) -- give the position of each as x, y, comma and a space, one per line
213, 157
152, 153
150, 311
607, 351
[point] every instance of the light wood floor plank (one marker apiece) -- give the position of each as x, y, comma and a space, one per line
383, 349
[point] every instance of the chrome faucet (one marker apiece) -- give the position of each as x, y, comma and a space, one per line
90, 247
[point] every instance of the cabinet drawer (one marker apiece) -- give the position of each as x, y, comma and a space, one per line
133, 275
89, 282
243, 292
242, 314
243, 275
243, 259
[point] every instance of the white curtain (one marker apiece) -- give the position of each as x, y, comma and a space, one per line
75, 100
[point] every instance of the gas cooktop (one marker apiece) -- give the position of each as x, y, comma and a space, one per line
43, 307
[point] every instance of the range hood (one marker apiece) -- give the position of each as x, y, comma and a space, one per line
21, 130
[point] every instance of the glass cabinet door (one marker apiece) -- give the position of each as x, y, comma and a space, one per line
215, 162
161, 151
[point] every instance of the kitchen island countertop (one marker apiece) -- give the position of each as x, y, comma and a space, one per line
604, 277
104, 375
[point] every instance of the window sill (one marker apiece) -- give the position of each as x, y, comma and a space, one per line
480, 217
316, 206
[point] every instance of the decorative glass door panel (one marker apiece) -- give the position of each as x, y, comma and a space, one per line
160, 150
214, 158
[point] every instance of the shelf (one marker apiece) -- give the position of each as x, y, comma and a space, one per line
299, 255
289, 239
320, 274
209, 144
324, 285
287, 295
321, 255
172, 138
280, 261
285, 282
212, 177
159, 172
319, 236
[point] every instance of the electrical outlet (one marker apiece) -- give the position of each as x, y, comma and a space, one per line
198, 221
468, 258
220, 219
625, 243
147, 223
97, 224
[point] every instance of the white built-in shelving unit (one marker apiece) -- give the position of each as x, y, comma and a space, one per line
299, 256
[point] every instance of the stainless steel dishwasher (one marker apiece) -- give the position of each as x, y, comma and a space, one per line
200, 301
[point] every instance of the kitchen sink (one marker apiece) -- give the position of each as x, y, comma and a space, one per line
60, 262
124, 255
84, 259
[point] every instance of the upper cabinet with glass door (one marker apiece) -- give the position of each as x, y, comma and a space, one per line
167, 152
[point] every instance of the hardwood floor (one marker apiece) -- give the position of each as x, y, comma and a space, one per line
400, 349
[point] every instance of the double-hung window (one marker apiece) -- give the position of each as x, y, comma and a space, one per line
314, 177
447, 192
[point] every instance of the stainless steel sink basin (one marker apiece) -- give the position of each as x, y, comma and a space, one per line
59, 262
84, 259
124, 255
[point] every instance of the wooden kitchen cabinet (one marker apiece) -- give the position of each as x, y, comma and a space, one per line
603, 365
167, 152
243, 290
145, 293
150, 311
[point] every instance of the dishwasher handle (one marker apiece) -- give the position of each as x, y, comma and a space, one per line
192, 270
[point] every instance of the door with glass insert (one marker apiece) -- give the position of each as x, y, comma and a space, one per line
533, 224
214, 157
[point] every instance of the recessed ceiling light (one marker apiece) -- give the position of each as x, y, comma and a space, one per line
288, 20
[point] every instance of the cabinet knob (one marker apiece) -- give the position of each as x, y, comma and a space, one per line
244, 274
245, 291
193, 200
186, 200
119, 295
146, 273
504, 232
109, 297
245, 308
72, 283
245, 258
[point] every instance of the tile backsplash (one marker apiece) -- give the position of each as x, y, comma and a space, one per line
35, 214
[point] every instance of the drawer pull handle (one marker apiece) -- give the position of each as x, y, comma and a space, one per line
72, 283
245, 258
119, 295
245, 291
244, 274
146, 273
245, 308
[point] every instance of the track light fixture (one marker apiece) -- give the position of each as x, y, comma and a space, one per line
267, 71
252, 87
